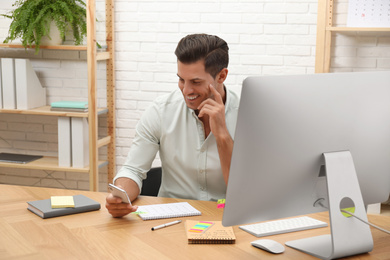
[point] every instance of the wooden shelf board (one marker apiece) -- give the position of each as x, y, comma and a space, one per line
53, 47
358, 29
45, 110
47, 163
103, 55
104, 141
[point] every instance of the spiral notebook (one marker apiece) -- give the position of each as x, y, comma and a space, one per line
209, 232
167, 210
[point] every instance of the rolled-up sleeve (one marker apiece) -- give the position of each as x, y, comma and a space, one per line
144, 147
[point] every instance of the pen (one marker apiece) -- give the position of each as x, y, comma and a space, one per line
166, 225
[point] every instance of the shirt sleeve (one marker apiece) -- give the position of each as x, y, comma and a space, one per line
144, 147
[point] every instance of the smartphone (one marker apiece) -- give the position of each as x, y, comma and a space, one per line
118, 192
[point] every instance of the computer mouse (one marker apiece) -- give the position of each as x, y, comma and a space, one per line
268, 245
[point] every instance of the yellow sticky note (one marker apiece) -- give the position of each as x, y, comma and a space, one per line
62, 202
221, 201
352, 210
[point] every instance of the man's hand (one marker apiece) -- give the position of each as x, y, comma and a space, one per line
117, 208
215, 109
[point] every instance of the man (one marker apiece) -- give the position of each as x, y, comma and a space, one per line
191, 127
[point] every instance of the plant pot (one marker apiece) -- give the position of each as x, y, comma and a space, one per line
55, 36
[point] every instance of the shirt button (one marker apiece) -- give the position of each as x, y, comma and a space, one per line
202, 188
201, 171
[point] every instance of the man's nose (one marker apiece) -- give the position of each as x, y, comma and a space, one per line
187, 88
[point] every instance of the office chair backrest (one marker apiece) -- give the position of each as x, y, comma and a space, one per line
151, 185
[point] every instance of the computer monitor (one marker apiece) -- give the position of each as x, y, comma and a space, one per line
286, 126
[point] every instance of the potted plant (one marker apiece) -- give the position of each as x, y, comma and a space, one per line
31, 20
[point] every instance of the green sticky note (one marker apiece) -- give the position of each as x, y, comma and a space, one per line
139, 212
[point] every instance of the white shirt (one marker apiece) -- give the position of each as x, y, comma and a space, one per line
190, 163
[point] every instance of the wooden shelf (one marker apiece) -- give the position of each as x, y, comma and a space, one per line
48, 164
45, 111
358, 29
93, 55
100, 55
52, 47
325, 30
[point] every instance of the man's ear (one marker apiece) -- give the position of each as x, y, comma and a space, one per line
222, 75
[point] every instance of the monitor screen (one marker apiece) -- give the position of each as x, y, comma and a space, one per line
286, 123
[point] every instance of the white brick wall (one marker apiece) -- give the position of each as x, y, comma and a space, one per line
265, 37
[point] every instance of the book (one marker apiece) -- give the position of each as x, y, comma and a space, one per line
167, 210
18, 158
65, 109
43, 207
70, 104
209, 232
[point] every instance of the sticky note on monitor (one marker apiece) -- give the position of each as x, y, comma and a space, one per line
221, 203
352, 210
62, 202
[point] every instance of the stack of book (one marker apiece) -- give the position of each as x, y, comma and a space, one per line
72, 106
44, 208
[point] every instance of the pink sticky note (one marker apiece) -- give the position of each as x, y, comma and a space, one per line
220, 206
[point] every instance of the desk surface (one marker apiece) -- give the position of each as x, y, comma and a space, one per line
96, 235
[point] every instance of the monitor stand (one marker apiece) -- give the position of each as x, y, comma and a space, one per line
349, 236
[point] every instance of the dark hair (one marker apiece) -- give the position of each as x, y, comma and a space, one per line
211, 48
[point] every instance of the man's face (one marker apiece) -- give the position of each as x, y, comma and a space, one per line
194, 83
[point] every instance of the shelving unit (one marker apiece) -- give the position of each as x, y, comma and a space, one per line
325, 30
51, 163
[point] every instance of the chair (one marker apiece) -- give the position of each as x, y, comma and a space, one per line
151, 185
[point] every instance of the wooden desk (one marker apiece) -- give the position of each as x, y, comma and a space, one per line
96, 235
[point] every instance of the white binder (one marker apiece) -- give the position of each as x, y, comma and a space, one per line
29, 91
80, 141
1, 89
64, 142
8, 83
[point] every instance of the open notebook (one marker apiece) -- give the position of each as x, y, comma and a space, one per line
167, 210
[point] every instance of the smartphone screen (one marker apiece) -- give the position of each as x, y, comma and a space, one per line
118, 192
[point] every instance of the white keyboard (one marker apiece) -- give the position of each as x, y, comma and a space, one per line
283, 226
